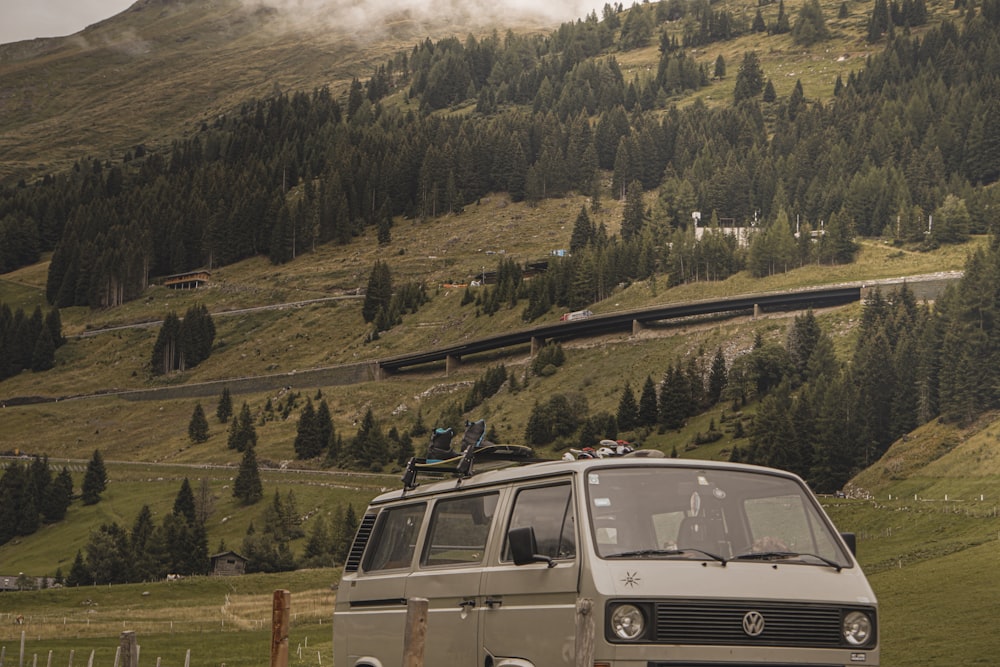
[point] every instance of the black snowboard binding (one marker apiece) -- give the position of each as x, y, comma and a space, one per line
440, 447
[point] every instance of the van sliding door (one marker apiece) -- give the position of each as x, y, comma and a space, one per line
449, 576
529, 610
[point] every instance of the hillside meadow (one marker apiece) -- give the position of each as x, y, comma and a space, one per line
929, 561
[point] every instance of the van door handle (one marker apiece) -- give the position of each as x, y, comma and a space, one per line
493, 602
467, 604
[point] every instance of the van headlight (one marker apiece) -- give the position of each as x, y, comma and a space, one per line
628, 621
857, 628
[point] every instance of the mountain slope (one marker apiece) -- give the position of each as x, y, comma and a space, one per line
155, 72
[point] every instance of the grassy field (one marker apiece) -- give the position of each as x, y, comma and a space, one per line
929, 599
132, 485
219, 620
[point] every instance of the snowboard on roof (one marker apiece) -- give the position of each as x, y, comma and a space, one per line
441, 458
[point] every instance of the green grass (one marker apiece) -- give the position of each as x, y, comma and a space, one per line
220, 620
941, 611
133, 485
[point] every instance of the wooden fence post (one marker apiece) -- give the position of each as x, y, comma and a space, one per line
584, 632
128, 649
279, 628
20, 661
415, 633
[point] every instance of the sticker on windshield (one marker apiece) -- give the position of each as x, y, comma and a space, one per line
593, 478
602, 502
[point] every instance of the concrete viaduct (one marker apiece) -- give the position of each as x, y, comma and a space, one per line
926, 287
627, 321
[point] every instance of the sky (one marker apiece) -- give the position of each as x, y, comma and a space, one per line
27, 19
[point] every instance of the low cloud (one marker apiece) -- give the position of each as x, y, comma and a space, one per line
374, 18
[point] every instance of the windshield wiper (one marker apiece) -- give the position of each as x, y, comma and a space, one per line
786, 555
638, 553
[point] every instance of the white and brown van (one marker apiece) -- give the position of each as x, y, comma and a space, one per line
682, 562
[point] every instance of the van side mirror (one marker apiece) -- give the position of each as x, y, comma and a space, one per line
852, 542
523, 547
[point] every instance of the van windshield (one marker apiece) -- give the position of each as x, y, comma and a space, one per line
659, 512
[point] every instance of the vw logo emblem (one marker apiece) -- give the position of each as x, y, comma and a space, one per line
753, 623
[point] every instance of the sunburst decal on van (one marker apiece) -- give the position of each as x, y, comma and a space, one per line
631, 579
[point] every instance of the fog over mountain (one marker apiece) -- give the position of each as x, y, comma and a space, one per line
371, 17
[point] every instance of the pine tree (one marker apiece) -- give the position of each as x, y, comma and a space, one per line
324, 424
198, 426
803, 337
772, 438
673, 404
718, 377
108, 555
53, 322
145, 562
184, 503
769, 94
242, 433
318, 551
369, 449
247, 486
308, 439
94, 479
195, 337
43, 357
628, 410
41, 478
780, 26
538, 430
225, 408
58, 497
633, 217
810, 26
78, 573
749, 78
720, 62
378, 294
951, 221
583, 231
879, 21
166, 353
648, 407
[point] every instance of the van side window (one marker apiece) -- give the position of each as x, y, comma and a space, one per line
395, 538
549, 510
458, 530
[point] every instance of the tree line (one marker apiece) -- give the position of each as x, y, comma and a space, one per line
183, 344
33, 496
279, 176
149, 551
28, 341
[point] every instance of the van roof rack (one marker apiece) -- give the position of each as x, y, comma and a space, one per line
462, 466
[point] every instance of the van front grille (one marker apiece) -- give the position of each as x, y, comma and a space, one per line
724, 623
